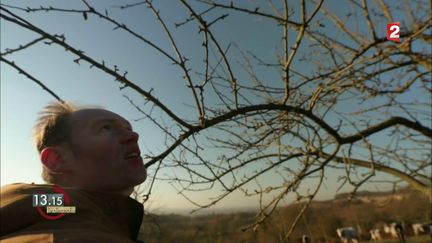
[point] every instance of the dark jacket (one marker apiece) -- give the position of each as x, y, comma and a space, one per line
99, 217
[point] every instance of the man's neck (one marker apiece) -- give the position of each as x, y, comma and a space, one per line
125, 192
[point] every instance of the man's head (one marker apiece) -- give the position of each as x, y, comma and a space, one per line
92, 149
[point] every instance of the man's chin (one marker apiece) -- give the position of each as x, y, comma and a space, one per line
141, 178
128, 191
136, 178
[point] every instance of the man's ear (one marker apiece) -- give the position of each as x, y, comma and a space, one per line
54, 158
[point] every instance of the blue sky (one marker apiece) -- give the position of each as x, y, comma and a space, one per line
22, 99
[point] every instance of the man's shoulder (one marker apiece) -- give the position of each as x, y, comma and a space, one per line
23, 188
19, 191
16, 206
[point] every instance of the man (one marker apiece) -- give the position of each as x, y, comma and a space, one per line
93, 155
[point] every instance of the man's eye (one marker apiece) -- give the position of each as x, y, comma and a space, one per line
106, 128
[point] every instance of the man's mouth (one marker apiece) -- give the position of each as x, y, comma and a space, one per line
132, 155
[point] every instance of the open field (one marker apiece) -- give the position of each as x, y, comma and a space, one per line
367, 211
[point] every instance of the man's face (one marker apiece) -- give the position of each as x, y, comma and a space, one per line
104, 152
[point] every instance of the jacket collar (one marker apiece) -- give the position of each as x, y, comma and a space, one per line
124, 211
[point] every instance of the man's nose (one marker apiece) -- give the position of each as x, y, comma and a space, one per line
130, 136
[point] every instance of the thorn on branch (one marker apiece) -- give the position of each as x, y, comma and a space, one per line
77, 61
122, 87
339, 125
202, 121
61, 37
216, 20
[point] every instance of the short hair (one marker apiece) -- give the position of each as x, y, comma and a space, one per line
53, 127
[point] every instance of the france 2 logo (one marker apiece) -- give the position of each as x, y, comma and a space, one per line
393, 31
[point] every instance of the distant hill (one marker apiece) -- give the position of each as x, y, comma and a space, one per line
368, 196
